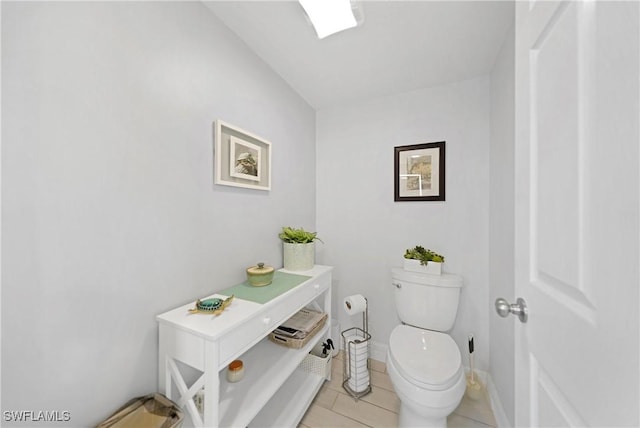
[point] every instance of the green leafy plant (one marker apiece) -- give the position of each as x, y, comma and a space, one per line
425, 256
292, 235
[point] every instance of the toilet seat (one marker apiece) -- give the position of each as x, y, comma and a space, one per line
428, 359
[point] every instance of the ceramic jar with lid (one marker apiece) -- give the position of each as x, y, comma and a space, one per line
260, 275
235, 371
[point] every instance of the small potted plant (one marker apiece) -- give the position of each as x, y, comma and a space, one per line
417, 259
298, 248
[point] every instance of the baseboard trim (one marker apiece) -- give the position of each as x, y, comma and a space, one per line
378, 351
502, 421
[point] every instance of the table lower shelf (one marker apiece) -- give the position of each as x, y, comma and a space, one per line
267, 367
287, 407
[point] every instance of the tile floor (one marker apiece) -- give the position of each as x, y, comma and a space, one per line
334, 407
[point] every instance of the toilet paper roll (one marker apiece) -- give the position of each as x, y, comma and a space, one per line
359, 380
358, 386
357, 348
355, 304
357, 355
358, 352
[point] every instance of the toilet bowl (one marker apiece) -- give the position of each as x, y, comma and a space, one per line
426, 370
423, 361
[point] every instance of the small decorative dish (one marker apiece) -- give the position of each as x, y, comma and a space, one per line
213, 306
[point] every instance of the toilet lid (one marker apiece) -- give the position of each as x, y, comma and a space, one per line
426, 358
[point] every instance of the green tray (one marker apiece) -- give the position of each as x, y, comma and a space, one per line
282, 282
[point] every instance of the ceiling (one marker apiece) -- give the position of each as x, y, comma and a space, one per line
400, 45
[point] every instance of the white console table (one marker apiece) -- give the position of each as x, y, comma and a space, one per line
273, 392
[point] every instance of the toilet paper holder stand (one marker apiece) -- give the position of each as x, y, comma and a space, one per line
356, 377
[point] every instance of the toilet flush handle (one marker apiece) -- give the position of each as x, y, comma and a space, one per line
397, 285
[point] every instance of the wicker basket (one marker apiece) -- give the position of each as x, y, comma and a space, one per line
291, 342
317, 365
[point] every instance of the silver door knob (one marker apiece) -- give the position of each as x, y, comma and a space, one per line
503, 308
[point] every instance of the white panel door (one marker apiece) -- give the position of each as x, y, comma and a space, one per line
577, 222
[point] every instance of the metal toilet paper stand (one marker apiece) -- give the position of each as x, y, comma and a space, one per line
355, 342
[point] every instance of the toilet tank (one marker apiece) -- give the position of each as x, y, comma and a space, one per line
426, 301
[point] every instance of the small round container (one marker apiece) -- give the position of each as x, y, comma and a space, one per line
260, 275
235, 371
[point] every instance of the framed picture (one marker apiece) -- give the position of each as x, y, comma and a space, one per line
419, 172
241, 158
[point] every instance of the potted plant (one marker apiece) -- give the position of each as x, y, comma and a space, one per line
417, 259
298, 248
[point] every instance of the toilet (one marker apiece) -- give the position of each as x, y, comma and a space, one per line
423, 361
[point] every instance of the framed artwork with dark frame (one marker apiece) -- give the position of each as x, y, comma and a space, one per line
241, 158
419, 172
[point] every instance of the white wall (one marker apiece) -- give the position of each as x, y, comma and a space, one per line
501, 223
109, 212
366, 232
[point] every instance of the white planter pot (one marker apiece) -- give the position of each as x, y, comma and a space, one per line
432, 268
299, 256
